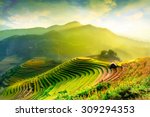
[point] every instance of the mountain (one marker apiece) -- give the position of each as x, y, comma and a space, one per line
38, 30
8, 33
71, 40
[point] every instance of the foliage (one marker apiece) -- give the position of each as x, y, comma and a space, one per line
109, 55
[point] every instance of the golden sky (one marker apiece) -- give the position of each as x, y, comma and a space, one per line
130, 18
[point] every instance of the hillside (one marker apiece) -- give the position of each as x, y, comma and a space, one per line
44, 63
71, 40
12, 32
8, 63
86, 78
38, 30
26, 70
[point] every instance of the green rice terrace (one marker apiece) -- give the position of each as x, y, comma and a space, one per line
80, 78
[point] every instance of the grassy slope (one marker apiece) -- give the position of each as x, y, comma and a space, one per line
85, 78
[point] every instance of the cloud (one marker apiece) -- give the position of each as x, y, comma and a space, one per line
1, 22
130, 7
136, 16
28, 20
1, 3
2, 25
130, 18
33, 14
102, 6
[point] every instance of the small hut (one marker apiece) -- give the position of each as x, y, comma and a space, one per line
113, 65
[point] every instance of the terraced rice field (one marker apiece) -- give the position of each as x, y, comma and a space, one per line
27, 70
74, 76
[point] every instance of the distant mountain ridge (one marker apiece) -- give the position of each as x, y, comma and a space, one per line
37, 30
63, 42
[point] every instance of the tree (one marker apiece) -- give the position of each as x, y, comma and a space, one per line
109, 55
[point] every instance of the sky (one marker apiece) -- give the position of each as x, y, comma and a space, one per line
130, 18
